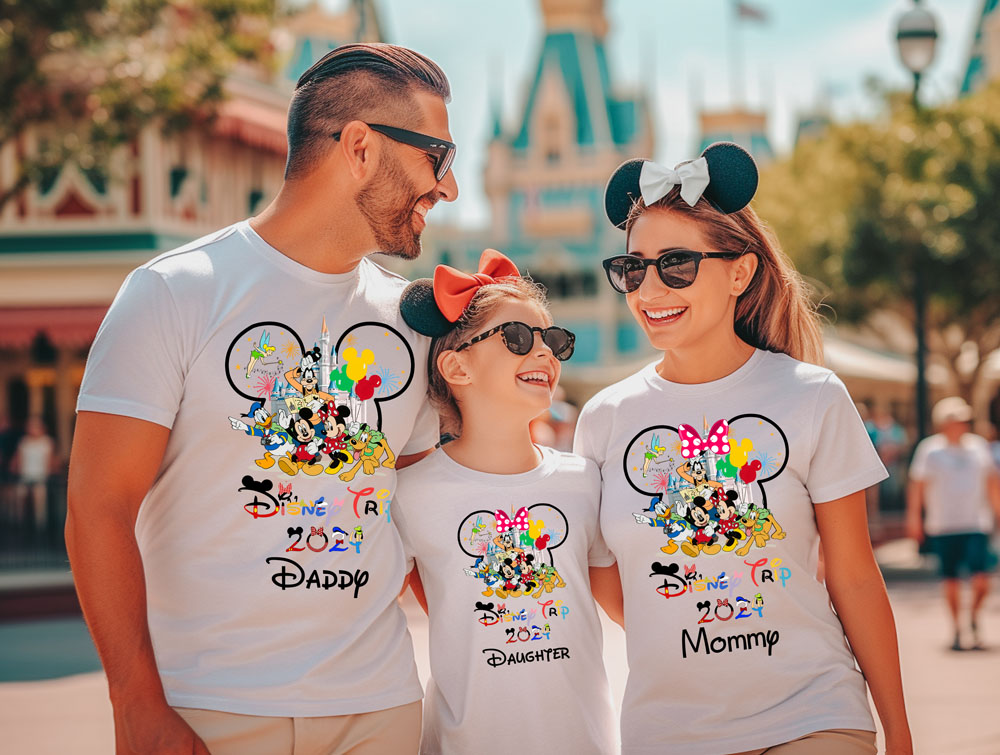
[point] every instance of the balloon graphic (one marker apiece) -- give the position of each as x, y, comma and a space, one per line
364, 389
749, 472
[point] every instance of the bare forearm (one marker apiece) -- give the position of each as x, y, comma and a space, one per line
606, 586
863, 607
111, 585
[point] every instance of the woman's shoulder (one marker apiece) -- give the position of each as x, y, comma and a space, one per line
619, 392
783, 371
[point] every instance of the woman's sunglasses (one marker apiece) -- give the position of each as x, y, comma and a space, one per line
677, 268
519, 338
443, 152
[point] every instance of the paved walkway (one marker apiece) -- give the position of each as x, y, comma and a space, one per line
952, 697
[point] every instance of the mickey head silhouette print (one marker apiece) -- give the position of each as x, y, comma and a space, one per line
512, 551
705, 487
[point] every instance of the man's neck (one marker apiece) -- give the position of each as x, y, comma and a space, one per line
329, 237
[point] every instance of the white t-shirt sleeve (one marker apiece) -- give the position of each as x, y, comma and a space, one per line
399, 519
584, 439
598, 553
843, 459
918, 466
426, 431
136, 366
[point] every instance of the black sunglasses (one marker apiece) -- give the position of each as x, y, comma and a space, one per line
519, 338
677, 268
443, 152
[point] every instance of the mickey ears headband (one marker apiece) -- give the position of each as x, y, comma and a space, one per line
432, 307
725, 174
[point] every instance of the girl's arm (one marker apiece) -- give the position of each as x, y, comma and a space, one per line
858, 593
606, 585
414, 583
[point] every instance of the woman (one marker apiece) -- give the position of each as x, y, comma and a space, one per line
733, 645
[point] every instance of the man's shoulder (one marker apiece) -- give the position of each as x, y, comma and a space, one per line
197, 258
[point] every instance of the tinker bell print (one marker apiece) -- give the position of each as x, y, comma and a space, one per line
655, 452
259, 351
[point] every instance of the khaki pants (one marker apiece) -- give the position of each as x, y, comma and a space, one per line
395, 731
830, 742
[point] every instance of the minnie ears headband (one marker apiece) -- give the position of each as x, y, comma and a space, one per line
432, 307
725, 174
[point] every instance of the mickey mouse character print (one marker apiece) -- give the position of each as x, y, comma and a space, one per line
705, 490
514, 553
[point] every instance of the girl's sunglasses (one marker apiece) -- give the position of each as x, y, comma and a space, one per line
443, 152
519, 338
677, 268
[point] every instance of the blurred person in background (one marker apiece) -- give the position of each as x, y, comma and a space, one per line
953, 482
891, 443
33, 462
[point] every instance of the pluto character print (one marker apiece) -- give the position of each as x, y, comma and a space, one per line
315, 411
704, 489
512, 556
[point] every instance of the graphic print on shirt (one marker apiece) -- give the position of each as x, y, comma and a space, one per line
317, 412
705, 490
513, 556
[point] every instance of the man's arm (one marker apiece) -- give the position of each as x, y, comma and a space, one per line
113, 463
914, 510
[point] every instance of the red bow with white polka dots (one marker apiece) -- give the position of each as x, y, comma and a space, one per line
520, 520
693, 445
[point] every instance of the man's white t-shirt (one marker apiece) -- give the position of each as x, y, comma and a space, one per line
956, 492
708, 507
272, 564
515, 639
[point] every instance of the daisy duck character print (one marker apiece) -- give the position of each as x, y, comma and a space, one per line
705, 490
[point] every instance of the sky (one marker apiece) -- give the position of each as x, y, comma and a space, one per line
679, 53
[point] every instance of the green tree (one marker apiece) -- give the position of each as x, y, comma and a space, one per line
96, 72
862, 207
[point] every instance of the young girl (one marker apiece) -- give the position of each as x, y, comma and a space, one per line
503, 535
733, 645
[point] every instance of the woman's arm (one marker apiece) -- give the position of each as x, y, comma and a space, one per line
606, 585
858, 593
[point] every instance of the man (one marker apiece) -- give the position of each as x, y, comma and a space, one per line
225, 611
953, 479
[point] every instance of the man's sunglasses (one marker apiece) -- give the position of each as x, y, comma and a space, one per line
443, 152
519, 338
677, 268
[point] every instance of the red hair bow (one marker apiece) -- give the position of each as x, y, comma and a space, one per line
453, 289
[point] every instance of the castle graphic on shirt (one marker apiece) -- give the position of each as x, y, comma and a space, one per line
317, 411
512, 551
705, 488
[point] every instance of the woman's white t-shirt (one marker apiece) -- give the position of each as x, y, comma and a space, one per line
515, 639
707, 503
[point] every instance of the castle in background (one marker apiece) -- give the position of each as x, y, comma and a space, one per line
545, 175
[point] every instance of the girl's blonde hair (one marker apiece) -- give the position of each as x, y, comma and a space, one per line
484, 304
776, 311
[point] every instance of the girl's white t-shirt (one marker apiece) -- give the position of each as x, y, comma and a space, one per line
707, 503
515, 639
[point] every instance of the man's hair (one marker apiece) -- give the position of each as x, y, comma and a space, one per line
371, 82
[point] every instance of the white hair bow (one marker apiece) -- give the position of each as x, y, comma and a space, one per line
656, 181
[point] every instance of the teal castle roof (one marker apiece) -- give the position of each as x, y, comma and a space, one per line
974, 71
579, 58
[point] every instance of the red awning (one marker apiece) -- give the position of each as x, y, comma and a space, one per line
254, 124
70, 327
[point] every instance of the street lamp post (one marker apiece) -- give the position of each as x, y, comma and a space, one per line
916, 39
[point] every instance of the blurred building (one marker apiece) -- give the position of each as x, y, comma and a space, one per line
547, 166
741, 125
67, 244
984, 54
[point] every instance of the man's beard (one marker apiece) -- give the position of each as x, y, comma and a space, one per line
387, 205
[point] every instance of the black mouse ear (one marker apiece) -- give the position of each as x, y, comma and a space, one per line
420, 311
732, 176
623, 191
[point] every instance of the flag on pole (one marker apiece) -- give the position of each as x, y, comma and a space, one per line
747, 12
